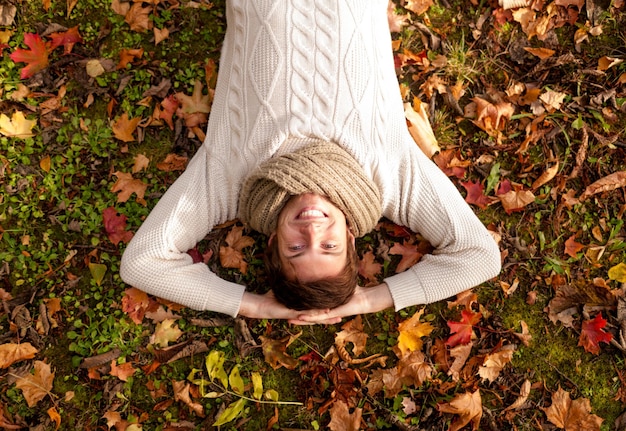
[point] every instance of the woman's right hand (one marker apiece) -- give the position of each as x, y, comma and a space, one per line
265, 307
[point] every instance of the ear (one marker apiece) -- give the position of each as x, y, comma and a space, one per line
271, 238
351, 237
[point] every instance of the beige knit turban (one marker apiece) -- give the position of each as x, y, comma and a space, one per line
322, 168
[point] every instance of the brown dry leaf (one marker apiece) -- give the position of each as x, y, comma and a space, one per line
181, 393
610, 182
231, 256
195, 108
552, 100
546, 176
516, 200
172, 163
572, 415
418, 6
495, 362
126, 185
274, 352
468, 406
414, 369
36, 386
141, 163
460, 354
464, 299
523, 396
352, 332
410, 253
127, 56
138, 18
123, 127
11, 353
165, 332
420, 129
120, 7
342, 420
122, 371
492, 118
572, 247
525, 336
160, 35
369, 269
411, 333
114, 419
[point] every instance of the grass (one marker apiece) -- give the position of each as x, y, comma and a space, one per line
51, 226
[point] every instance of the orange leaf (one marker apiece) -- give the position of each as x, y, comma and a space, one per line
11, 353
126, 185
136, 303
410, 253
122, 371
55, 417
172, 163
495, 362
123, 127
571, 415
514, 200
66, 39
36, 386
141, 163
231, 255
468, 406
572, 247
369, 268
181, 393
542, 53
342, 420
128, 56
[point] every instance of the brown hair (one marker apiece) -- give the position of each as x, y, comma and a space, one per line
327, 292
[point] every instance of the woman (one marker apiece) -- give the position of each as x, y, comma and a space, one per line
307, 142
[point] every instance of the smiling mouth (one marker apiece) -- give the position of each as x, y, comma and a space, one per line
311, 214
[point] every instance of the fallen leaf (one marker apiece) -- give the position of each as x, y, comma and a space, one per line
610, 182
55, 417
352, 332
138, 18
571, 415
516, 200
542, 53
127, 56
411, 333
523, 396
463, 331
410, 253
36, 58
115, 226
369, 269
126, 185
11, 353
460, 354
275, 354
231, 255
124, 127
572, 247
418, 6
342, 420
495, 362
492, 118
592, 334
618, 272
123, 371
17, 126
37, 385
468, 406
173, 162
396, 21
66, 39
141, 163
165, 332
545, 177
475, 194
194, 109
181, 393
136, 303
420, 128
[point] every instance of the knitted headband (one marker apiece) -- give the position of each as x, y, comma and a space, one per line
322, 168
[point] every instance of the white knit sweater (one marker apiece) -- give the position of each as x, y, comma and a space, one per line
292, 71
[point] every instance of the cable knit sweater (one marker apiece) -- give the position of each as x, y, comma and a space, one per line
291, 72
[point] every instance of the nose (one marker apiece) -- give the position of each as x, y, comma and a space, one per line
310, 229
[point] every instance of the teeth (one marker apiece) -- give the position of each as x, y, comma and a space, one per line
312, 214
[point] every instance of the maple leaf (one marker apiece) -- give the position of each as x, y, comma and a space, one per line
128, 56
115, 226
468, 406
169, 106
195, 108
396, 21
352, 332
342, 419
173, 162
141, 163
17, 126
414, 369
122, 371
450, 163
462, 331
418, 6
275, 354
475, 194
411, 333
592, 334
126, 185
123, 127
572, 247
11, 353
492, 118
516, 200
66, 39
410, 253
369, 268
231, 256
138, 18
136, 303
37, 385
36, 57
495, 362
571, 415
165, 332
464, 299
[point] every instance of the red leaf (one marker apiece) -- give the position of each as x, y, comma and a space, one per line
475, 194
115, 226
592, 334
36, 57
462, 331
411, 254
65, 39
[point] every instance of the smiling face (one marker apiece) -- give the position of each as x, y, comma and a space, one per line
312, 238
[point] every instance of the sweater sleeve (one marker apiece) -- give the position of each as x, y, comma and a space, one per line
465, 253
156, 259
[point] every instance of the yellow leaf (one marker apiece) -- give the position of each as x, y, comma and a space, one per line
411, 333
618, 272
165, 332
11, 353
45, 164
420, 128
17, 126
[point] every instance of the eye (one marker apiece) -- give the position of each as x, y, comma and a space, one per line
329, 246
295, 247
